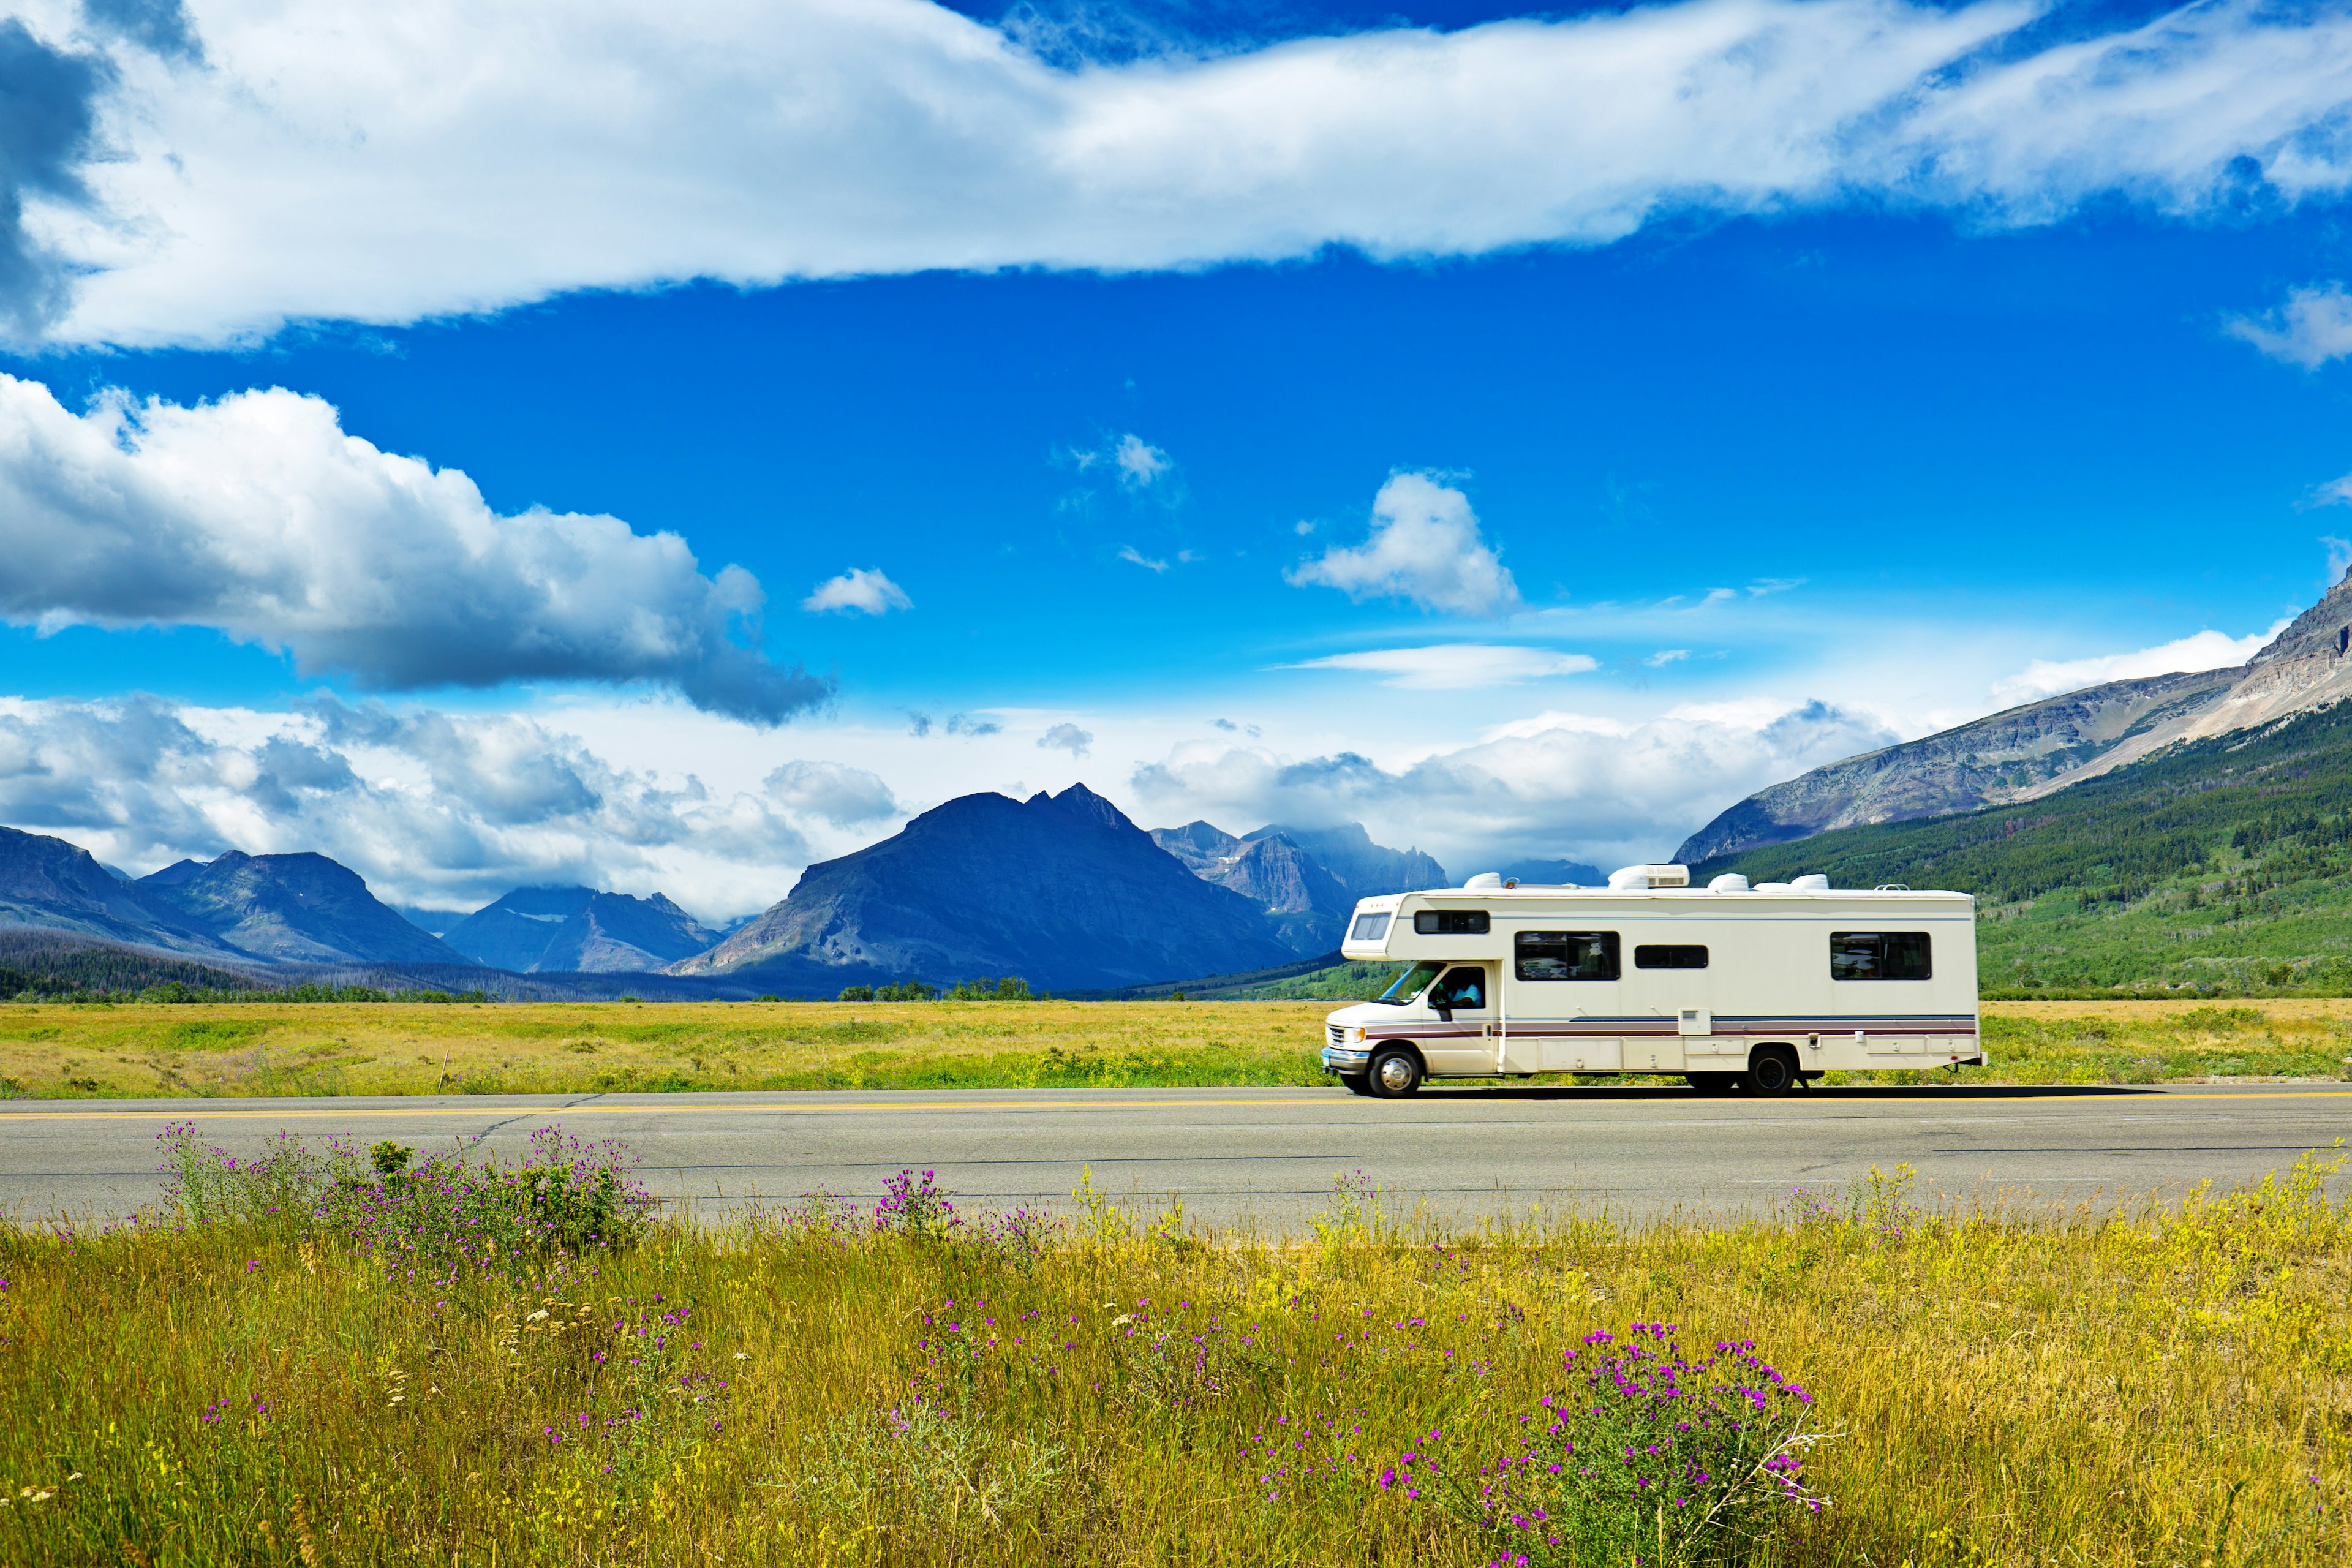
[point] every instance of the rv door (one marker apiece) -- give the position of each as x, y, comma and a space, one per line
1463, 1003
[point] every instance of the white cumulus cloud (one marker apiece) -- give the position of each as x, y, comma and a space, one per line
1425, 546
1139, 462
2312, 328
866, 592
2207, 650
1455, 667
389, 163
259, 516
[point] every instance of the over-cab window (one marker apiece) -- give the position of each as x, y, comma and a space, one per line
1450, 923
1369, 928
1568, 955
1879, 955
1664, 955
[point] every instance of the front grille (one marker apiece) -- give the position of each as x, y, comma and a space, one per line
1338, 1034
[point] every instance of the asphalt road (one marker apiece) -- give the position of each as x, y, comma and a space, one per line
1267, 1155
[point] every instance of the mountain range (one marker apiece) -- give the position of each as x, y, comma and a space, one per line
2031, 751
1062, 891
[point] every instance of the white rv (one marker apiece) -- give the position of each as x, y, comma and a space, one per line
1727, 986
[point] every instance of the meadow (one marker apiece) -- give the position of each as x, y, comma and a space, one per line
322, 1359
69, 1049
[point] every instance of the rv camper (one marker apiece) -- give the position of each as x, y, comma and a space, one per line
1729, 985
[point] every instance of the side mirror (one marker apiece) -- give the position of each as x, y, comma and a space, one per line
1445, 1013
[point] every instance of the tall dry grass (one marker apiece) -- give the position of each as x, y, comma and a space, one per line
72, 1050
815, 1385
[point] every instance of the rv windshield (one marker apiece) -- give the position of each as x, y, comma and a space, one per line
1412, 982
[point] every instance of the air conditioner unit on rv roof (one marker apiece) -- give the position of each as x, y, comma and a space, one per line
1627, 877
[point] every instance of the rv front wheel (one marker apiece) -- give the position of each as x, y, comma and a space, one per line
1395, 1073
1773, 1070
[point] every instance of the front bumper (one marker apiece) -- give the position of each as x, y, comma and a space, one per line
1341, 1059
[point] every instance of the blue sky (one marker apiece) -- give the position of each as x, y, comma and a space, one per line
1686, 398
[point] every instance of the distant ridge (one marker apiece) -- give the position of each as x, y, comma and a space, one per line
578, 930
1365, 868
1553, 873
1305, 880
1305, 903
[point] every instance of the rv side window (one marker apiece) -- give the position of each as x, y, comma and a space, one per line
1568, 955
1450, 923
1369, 928
1663, 956
1879, 955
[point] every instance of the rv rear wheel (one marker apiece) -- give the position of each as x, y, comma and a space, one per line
1357, 1082
1711, 1082
1773, 1070
1395, 1073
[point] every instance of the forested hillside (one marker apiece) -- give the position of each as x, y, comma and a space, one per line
49, 963
2225, 862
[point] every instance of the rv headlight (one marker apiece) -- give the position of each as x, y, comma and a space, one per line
1356, 1034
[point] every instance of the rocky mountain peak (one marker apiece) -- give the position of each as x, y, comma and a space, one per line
1083, 803
2325, 629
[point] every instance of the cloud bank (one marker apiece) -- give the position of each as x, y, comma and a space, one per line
432, 809
2207, 650
339, 162
258, 515
1558, 783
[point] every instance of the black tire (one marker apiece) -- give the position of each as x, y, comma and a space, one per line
1395, 1073
1771, 1069
1711, 1082
1357, 1082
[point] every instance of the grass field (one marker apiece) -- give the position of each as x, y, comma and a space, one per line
280, 1048
393, 1383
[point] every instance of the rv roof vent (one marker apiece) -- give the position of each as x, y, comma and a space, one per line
1626, 877
1814, 884
1892, 888
1729, 882
1486, 879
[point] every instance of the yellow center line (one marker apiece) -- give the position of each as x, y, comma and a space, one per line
2249, 1094
2085, 1097
601, 1110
